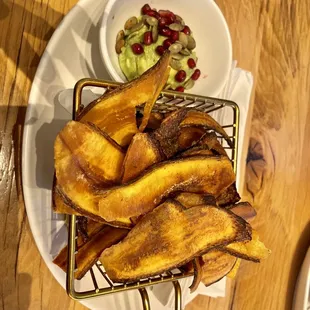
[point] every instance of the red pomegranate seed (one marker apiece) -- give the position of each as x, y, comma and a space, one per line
165, 31
163, 21
145, 9
174, 35
167, 14
167, 43
195, 76
147, 38
186, 30
180, 88
137, 48
191, 63
180, 76
152, 13
160, 50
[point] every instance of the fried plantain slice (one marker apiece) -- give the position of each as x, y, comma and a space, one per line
99, 157
210, 139
115, 112
197, 150
233, 272
90, 251
228, 196
216, 265
243, 209
204, 120
75, 188
194, 174
142, 152
169, 237
197, 274
253, 250
189, 136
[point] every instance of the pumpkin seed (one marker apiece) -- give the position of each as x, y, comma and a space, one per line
189, 84
175, 48
152, 21
191, 43
118, 46
175, 64
185, 52
130, 22
180, 19
136, 27
183, 39
120, 35
176, 27
154, 33
177, 56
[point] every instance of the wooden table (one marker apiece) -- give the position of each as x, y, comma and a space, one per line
270, 39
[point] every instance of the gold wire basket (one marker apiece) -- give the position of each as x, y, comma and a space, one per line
166, 102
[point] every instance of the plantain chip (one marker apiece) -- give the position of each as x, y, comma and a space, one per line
194, 174
197, 275
197, 150
169, 237
243, 209
189, 200
90, 251
253, 250
233, 272
201, 119
228, 196
142, 152
189, 136
210, 140
216, 265
115, 112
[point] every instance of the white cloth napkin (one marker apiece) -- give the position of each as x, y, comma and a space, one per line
238, 89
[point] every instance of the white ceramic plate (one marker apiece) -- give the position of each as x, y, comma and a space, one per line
72, 54
214, 49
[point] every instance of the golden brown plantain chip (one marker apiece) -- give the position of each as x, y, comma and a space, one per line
204, 120
253, 250
210, 140
99, 157
115, 112
216, 265
90, 251
228, 196
75, 188
196, 150
243, 209
197, 274
169, 237
142, 152
194, 174
189, 136
233, 272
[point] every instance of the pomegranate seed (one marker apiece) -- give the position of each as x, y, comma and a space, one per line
160, 50
186, 30
165, 31
162, 22
180, 88
195, 76
145, 9
180, 76
167, 43
191, 63
147, 38
152, 13
174, 35
167, 14
137, 48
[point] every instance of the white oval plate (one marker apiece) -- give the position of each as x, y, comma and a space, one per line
72, 54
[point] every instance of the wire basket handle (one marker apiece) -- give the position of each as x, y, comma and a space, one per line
177, 297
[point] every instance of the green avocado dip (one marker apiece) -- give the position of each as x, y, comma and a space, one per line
136, 55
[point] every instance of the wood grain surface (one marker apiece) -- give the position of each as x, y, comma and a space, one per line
270, 39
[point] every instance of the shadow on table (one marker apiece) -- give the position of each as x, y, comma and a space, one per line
299, 255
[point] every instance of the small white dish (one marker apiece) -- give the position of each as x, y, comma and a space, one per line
214, 49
